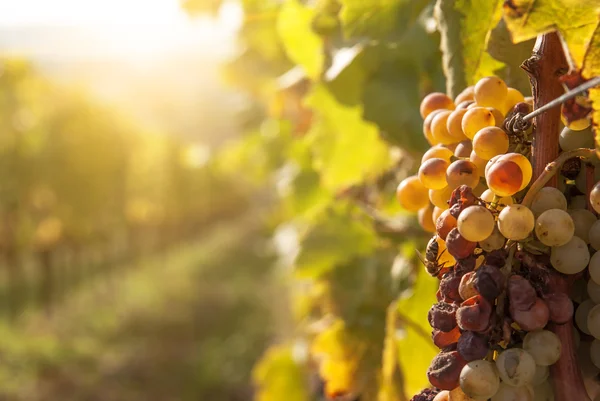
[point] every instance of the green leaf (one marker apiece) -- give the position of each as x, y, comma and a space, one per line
279, 377
302, 45
416, 349
465, 26
336, 238
348, 150
575, 20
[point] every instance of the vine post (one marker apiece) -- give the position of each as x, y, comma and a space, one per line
545, 66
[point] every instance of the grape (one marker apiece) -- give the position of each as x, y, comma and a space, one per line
475, 223
475, 119
541, 375
435, 101
583, 220
496, 258
577, 125
570, 139
439, 128
442, 316
544, 346
489, 282
443, 339
442, 396
479, 162
523, 163
548, 198
491, 92
463, 149
427, 127
437, 212
560, 306
454, 124
458, 246
570, 258
479, 379
466, 289
411, 194
444, 371
449, 285
595, 197
432, 173
489, 142
462, 172
593, 321
444, 224
467, 94
488, 196
513, 96
426, 220
472, 346
594, 235
554, 227
504, 178
521, 293
516, 367
440, 197
495, 241
544, 392
593, 291
516, 222
594, 267
581, 315
595, 352
533, 319
474, 314
439, 152
509, 393
498, 116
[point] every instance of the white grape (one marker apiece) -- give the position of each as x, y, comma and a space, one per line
594, 235
581, 315
541, 375
488, 196
594, 267
475, 223
583, 220
570, 139
495, 241
509, 393
548, 198
516, 367
570, 258
543, 345
516, 222
595, 353
595, 197
593, 291
593, 321
479, 379
554, 227
543, 392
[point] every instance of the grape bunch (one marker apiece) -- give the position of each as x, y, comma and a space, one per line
502, 263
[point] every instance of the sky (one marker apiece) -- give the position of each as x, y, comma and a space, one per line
133, 28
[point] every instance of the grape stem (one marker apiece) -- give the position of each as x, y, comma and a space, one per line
551, 169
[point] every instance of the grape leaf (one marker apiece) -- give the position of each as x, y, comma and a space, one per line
302, 45
279, 377
347, 149
416, 349
465, 26
575, 20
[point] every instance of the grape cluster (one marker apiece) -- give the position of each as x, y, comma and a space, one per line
492, 254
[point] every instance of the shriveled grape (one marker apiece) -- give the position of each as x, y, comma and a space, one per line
516, 367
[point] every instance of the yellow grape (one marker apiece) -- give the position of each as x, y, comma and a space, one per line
432, 173
490, 163
498, 116
439, 128
475, 119
577, 125
435, 101
504, 178
488, 196
411, 194
513, 96
479, 162
425, 217
464, 105
491, 92
516, 222
473, 105
467, 94
475, 223
490, 142
439, 152
463, 149
427, 128
454, 124
462, 172
437, 212
523, 163
440, 197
